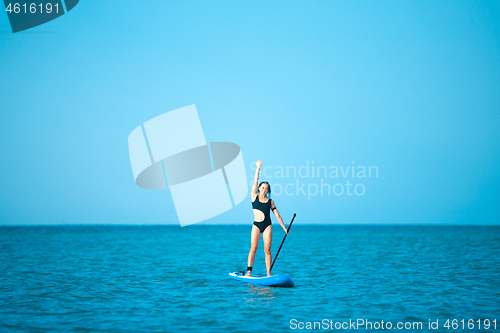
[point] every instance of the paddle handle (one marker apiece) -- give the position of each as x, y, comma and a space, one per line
287, 231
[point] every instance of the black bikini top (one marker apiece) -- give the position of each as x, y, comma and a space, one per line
263, 207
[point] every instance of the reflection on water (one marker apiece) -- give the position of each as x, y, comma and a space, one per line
260, 294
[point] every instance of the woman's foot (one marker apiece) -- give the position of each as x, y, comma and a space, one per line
249, 273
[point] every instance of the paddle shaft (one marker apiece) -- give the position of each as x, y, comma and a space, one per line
287, 231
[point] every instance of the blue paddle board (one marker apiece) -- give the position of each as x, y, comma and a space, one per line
268, 281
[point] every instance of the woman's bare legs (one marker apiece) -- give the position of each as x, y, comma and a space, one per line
253, 248
268, 239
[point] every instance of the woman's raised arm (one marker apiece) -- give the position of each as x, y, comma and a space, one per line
256, 179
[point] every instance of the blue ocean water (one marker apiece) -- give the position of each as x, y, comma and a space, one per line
170, 279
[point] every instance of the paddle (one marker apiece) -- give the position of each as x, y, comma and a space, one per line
288, 230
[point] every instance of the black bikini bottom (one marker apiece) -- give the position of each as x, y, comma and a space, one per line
262, 225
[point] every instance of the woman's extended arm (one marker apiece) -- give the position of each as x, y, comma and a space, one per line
256, 179
278, 216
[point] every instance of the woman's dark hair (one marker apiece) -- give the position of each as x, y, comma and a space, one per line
268, 191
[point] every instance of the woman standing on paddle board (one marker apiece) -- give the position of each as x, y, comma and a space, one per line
262, 205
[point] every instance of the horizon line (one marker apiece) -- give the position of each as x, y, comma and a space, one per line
247, 225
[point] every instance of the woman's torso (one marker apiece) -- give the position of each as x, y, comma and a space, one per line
264, 207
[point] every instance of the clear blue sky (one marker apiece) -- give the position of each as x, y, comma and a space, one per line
410, 87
